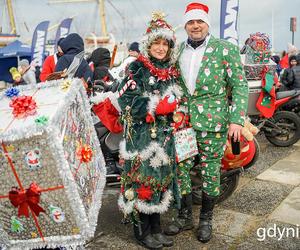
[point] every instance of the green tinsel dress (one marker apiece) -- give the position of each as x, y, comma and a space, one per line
149, 181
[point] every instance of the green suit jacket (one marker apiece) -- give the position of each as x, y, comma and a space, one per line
220, 73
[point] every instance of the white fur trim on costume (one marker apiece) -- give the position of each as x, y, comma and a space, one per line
152, 104
144, 207
196, 14
154, 149
113, 96
173, 90
126, 208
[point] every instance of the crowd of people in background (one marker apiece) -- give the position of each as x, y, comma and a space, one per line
93, 67
97, 65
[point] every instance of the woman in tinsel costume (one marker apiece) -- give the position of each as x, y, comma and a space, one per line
148, 98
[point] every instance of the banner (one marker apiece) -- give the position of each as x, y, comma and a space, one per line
63, 29
38, 43
228, 20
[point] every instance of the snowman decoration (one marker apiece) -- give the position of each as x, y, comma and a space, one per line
32, 159
56, 214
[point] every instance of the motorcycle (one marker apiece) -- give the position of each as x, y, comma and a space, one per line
283, 128
230, 171
293, 102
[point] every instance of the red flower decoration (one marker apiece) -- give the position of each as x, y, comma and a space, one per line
144, 192
84, 153
23, 106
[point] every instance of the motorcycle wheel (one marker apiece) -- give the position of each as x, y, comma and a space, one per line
256, 155
283, 129
228, 186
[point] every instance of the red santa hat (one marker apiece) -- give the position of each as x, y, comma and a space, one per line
196, 11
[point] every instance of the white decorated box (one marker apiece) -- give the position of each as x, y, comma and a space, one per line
52, 172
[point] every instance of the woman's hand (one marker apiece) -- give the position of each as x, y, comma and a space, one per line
235, 131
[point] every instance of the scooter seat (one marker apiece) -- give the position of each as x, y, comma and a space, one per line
289, 93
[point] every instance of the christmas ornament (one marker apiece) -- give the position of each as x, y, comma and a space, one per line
129, 194
153, 131
151, 80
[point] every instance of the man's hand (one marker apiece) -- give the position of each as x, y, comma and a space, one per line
235, 131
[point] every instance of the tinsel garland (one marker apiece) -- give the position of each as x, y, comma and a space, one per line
144, 207
86, 222
163, 74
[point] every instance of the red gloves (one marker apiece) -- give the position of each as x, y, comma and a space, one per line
166, 105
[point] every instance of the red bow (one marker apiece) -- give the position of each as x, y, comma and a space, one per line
84, 153
23, 106
26, 198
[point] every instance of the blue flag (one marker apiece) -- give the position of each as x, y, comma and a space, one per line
228, 20
63, 29
38, 43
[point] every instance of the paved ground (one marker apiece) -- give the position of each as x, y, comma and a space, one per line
263, 213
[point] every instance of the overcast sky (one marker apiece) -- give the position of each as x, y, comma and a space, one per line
127, 19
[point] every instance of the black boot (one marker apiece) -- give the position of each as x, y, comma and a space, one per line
157, 232
205, 221
150, 242
184, 220
142, 233
163, 239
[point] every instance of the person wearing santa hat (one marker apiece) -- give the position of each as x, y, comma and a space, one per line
210, 68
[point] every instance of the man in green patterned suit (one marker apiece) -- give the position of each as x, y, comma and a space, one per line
210, 69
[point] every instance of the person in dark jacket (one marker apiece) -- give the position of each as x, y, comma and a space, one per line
101, 60
71, 46
287, 73
293, 78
